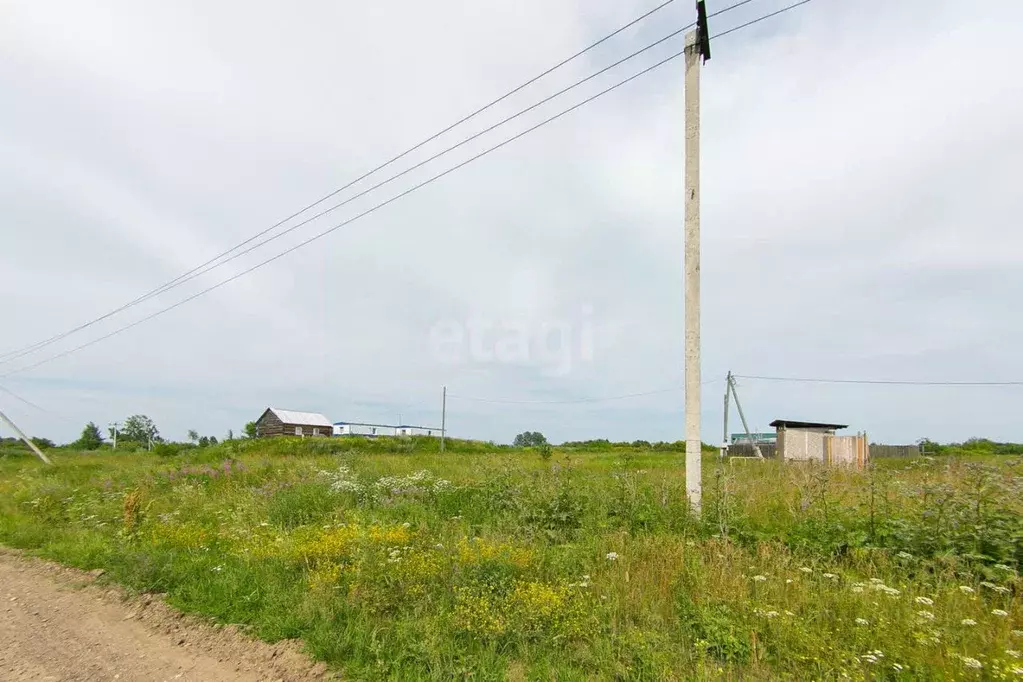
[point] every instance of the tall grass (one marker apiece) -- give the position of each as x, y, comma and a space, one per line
393, 560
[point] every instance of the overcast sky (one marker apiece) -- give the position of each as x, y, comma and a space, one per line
861, 215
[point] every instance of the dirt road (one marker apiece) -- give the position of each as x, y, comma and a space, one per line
60, 624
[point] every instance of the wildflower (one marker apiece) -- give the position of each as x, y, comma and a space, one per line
869, 658
217, 569
1012, 652
790, 614
771, 614
1002, 589
904, 555
984, 583
966, 589
972, 663
890, 591
1017, 633
1003, 567
999, 612
862, 621
805, 569
877, 581
759, 578
1017, 671
968, 621
925, 601
788, 581
856, 588
406, 525
611, 556
896, 667
830, 576
925, 615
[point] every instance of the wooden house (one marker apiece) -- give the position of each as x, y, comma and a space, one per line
275, 422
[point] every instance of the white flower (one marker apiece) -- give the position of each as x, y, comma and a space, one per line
406, 525
862, 621
877, 581
972, 663
968, 621
857, 588
1004, 567
1017, 633
1001, 589
759, 578
925, 615
966, 589
896, 667
438, 546
891, 591
805, 569
904, 555
790, 614
1012, 652
984, 583
788, 581
999, 612
218, 569
830, 576
869, 658
612, 556
925, 601
1017, 671
771, 614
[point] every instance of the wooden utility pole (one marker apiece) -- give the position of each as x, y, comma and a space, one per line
21, 434
443, 415
697, 49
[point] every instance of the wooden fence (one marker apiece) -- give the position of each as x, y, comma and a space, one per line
894, 450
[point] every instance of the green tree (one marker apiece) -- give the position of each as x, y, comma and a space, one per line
230, 434
528, 439
42, 443
251, 430
139, 428
193, 435
90, 439
204, 442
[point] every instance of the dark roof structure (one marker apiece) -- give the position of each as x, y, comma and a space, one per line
790, 424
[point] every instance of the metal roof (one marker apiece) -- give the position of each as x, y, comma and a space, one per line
790, 424
301, 418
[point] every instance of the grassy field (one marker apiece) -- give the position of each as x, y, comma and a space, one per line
392, 560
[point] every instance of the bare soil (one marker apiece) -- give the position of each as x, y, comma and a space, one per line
58, 623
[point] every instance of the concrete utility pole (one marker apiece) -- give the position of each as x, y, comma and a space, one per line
443, 415
697, 48
114, 426
28, 441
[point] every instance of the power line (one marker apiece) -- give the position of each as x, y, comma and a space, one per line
12, 355
882, 382
382, 204
759, 19
212, 264
202, 270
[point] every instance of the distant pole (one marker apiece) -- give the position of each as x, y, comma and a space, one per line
724, 426
443, 415
114, 426
28, 441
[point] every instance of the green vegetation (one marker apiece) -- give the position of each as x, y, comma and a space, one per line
393, 560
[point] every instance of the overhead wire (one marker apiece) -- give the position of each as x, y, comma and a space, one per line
882, 382
20, 352
382, 204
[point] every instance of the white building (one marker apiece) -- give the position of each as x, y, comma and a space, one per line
365, 429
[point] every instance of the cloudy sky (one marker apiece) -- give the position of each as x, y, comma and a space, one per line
861, 215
